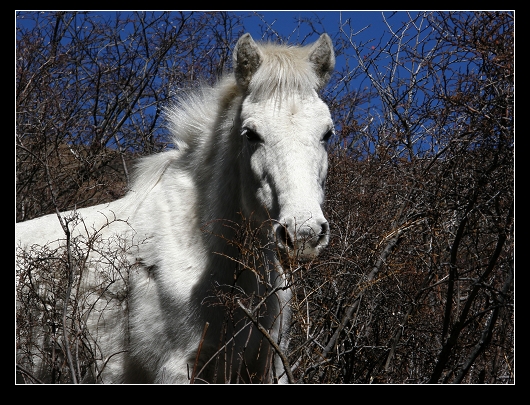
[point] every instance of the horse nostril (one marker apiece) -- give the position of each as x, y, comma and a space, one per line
283, 236
323, 237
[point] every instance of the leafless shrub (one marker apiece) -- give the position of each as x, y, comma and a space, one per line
61, 286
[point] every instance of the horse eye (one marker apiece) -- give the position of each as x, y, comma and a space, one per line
251, 135
327, 136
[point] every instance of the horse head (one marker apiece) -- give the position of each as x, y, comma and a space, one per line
285, 128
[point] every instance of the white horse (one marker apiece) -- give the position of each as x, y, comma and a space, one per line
253, 148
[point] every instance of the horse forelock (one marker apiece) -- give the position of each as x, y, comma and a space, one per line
284, 71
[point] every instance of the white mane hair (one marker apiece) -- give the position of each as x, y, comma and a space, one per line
192, 117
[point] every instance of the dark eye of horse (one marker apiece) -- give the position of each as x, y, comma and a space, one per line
251, 135
327, 135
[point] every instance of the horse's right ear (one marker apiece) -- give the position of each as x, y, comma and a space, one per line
247, 58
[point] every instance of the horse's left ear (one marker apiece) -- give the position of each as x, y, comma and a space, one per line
247, 59
322, 55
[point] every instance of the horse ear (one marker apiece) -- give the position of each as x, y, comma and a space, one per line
322, 56
247, 58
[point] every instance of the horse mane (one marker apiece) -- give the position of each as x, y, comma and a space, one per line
190, 120
195, 112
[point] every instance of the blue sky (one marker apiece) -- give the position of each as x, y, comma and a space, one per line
290, 26
286, 22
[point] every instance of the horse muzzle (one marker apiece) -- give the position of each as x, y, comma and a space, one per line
303, 239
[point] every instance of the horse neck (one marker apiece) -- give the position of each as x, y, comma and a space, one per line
218, 171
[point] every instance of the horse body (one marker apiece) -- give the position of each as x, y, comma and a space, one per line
251, 147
